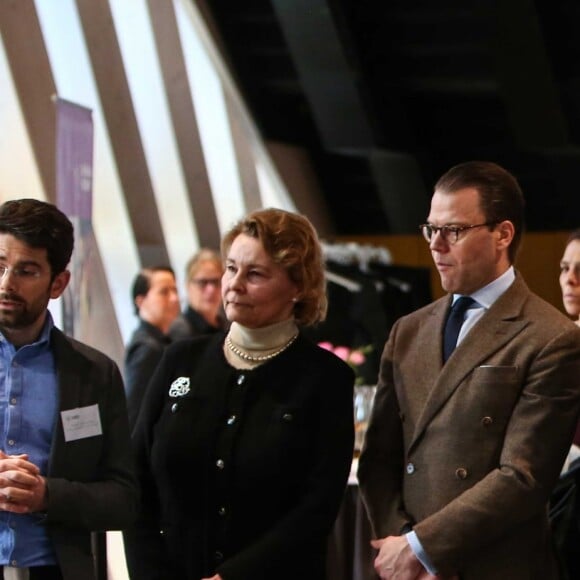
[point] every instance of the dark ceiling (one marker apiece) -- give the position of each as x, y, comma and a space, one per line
386, 95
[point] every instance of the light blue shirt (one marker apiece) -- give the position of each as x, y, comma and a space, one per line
28, 412
484, 297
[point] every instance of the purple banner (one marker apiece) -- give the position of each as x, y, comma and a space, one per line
74, 159
88, 313
74, 187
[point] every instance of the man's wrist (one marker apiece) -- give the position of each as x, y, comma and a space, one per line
420, 553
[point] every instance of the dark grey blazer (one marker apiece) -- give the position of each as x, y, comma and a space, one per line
190, 324
142, 355
91, 482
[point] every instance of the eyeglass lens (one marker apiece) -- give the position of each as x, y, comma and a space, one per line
447, 233
203, 282
18, 272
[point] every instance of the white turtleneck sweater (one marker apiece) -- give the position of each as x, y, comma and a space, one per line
258, 341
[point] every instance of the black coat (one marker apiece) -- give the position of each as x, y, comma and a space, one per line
142, 355
190, 324
243, 473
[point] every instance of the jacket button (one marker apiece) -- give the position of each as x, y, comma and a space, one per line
218, 555
287, 417
241, 379
410, 468
222, 511
461, 473
174, 407
231, 420
486, 421
220, 464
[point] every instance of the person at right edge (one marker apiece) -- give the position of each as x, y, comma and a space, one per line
570, 285
245, 438
460, 457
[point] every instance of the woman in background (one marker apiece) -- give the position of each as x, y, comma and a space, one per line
570, 276
564, 513
203, 313
245, 440
570, 284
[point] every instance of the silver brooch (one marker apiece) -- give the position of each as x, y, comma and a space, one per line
179, 387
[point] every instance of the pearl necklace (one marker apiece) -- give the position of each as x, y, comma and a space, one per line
257, 358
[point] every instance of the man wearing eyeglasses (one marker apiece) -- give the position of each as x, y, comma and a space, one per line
478, 398
65, 460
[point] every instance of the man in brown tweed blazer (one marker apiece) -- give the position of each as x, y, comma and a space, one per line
461, 456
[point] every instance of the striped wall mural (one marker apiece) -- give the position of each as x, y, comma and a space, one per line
177, 158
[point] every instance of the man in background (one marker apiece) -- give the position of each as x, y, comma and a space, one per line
464, 446
156, 303
66, 463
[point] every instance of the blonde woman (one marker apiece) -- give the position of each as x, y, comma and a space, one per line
203, 313
245, 440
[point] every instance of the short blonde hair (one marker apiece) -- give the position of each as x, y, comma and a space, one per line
199, 258
292, 242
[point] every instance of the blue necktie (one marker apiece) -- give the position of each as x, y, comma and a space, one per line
454, 323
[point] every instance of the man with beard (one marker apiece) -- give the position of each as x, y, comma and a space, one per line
65, 464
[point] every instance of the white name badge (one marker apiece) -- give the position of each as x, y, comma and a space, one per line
81, 423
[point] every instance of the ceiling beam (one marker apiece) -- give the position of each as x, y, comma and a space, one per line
184, 120
117, 104
525, 78
34, 82
329, 79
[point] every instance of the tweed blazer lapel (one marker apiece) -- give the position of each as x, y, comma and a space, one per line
422, 352
498, 326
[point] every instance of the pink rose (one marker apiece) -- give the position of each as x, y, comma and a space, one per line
342, 352
356, 357
326, 346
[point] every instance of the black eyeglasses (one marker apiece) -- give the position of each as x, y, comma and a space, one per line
203, 282
449, 233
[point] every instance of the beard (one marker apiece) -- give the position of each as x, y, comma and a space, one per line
21, 315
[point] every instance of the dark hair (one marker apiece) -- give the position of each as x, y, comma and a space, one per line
574, 235
40, 225
291, 241
142, 282
500, 195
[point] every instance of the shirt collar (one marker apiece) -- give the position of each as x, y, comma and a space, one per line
487, 295
46, 329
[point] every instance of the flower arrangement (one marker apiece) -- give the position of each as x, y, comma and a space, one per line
354, 357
